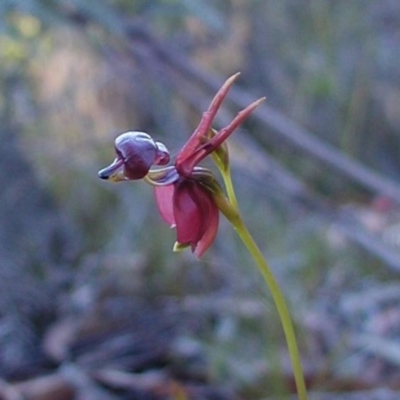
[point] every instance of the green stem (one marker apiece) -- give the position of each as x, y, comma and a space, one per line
280, 303
230, 209
227, 177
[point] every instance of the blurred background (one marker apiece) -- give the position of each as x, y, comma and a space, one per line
93, 302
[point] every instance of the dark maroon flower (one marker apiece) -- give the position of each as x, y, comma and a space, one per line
185, 193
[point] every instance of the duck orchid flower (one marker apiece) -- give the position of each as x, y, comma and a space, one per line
186, 194
189, 196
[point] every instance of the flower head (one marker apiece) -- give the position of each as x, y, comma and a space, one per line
186, 193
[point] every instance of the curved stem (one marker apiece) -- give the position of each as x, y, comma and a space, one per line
280, 303
231, 211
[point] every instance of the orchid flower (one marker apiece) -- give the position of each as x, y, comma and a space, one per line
185, 192
190, 198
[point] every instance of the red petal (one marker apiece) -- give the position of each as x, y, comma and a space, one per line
187, 213
210, 232
164, 196
196, 216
